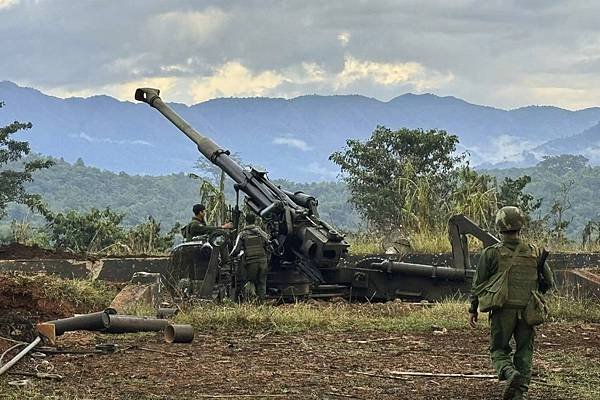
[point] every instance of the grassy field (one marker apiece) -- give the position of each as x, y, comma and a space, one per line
370, 338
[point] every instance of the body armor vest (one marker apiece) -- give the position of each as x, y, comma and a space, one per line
254, 246
522, 278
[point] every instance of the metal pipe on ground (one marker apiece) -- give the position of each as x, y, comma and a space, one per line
84, 322
130, 324
179, 333
22, 354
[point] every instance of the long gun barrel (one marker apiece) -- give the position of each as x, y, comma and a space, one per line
261, 197
306, 240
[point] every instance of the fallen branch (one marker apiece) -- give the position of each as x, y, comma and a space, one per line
12, 340
377, 375
443, 375
341, 395
374, 340
41, 375
402, 374
236, 396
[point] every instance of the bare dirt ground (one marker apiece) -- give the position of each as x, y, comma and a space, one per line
17, 251
310, 365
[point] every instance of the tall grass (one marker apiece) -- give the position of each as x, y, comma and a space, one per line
299, 317
365, 243
85, 295
392, 316
420, 242
438, 242
574, 309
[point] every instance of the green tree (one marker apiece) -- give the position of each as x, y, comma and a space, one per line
90, 232
400, 177
12, 182
475, 195
512, 193
559, 222
145, 238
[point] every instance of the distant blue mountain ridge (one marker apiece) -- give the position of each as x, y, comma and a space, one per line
291, 138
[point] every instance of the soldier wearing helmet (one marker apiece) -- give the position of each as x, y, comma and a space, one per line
253, 268
521, 260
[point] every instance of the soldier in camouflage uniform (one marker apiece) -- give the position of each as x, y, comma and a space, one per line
197, 227
508, 321
253, 267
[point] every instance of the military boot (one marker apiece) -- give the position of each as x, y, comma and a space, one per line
520, 395
514, 380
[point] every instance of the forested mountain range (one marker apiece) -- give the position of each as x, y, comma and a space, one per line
291, 138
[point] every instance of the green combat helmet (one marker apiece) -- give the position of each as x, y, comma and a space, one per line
509, 219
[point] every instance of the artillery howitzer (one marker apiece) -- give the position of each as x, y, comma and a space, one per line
304, 243
308, 251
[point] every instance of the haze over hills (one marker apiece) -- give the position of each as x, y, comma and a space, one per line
586, 143
292, 138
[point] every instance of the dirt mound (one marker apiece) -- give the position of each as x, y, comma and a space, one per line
18, 251
30, 302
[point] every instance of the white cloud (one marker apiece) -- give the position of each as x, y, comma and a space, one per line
344, 38
389, 74
123, 91
91, 139
322, 172
5, 4
504, 148
444, 47
305, 73
234, 79
292, 142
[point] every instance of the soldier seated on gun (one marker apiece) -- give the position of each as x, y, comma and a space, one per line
253, 266
197, 228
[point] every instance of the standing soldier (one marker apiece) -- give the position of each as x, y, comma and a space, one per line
525, 276
253, 268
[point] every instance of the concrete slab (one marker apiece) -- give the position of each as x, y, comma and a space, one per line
122, 269
68, 269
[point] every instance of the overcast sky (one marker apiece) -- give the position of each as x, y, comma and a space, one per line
500, 53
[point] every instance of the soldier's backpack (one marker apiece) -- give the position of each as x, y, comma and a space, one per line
493, 293
254, 245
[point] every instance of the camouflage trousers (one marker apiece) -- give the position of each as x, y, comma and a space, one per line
254, 276
505, 324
